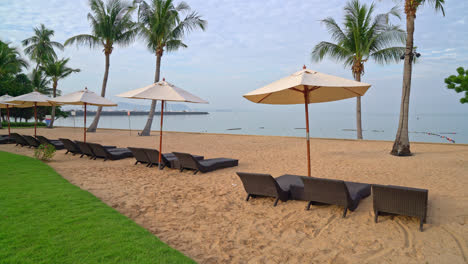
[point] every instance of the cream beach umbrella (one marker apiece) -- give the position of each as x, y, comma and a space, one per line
84, 97
163, 91
3, 104
305, 87
33, 99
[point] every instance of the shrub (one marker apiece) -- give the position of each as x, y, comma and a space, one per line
44, 152
22, 124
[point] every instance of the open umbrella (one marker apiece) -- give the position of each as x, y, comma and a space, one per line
163, 91
33, 99
305, 87
85, 98
3, 104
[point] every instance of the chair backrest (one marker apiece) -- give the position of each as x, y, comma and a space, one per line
400, 200
139, 154
19, 139
187, 161
85, 148
32, 141
99, 151
259, 184
327, 191
153, 156
70, 145
43, 140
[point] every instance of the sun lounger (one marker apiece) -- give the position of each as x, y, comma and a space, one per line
86, 149
187, 161
140, 156
32, 142
400, 200
70, 146
168, 159
56, 143
256, 184
5, 139
109, 154
327, 191
19, 139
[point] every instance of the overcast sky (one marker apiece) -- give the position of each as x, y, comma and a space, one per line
250, 43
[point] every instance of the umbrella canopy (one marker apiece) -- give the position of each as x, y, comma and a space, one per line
84, 97
321, 87
3, 104
163, 91
305, 87
33, 99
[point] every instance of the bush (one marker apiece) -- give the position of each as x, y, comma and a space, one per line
44, 152
22, 124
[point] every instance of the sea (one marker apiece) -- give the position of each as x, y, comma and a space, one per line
438, 128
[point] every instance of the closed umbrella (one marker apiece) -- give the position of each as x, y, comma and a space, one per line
33, 99
3, 104
163, 91
305, 87
84, 97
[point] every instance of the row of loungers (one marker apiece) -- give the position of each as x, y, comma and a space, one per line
387, 199
181, 161
5, 139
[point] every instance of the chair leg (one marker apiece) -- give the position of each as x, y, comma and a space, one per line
248, 197
105, 159
136, 162
276, 202
81, 156
421, 224
308, 205
67, 152
376, 216
344, 212
195, 172
181, 169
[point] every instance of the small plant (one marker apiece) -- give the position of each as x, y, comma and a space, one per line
44, 152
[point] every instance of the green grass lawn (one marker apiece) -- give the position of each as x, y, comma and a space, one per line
45, 219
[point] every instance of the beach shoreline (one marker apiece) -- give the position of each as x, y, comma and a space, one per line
206, 217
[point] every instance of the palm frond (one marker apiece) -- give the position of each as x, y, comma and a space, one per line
331, 50
83, 39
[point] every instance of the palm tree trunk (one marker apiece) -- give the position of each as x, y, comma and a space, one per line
93, 126
401, 146
52, 115
358, 111
147, 130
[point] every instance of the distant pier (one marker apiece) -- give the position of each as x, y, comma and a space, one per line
135, 113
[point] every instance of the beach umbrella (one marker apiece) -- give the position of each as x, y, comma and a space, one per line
33, 99
305, 87
163, 91
3, 104
84, 97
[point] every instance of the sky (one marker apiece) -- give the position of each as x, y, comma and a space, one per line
249, 44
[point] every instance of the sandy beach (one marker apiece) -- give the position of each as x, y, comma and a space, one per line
206, 217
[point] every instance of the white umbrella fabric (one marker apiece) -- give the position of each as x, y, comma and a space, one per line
163, 91
305, 87
84, 97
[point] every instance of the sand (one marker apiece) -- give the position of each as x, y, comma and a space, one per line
206, 217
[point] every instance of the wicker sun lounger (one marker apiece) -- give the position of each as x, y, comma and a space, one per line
168, 159
400, 200
19, 139
187, 161
70, 146
5, 139
140, 156
256, 184
109, 154
56, 143
32, 142
86, 149
327, 191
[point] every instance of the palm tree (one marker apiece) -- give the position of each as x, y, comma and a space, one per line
363, 37
39, 47
10, 60
401, 146
57, 70
40, 82
163, 29
111, 23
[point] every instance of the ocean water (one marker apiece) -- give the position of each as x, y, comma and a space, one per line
322, 125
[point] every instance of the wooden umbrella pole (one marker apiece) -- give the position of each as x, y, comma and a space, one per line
35, 118
160, 134
306, 97
8, 117
84, 127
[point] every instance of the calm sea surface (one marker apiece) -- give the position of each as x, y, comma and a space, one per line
324, 125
